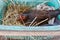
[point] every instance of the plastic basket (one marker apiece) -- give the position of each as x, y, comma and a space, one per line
3, 5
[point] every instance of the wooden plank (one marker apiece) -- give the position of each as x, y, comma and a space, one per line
22, 33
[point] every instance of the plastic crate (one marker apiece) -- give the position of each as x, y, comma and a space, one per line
28, 38
31, 38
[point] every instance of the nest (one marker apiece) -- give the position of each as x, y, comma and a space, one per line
12, 12
25, 15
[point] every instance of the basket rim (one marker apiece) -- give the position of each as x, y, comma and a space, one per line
24, 28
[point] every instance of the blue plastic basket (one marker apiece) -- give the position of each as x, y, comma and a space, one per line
3, 5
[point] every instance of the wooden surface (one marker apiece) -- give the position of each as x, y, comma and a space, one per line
19, 33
